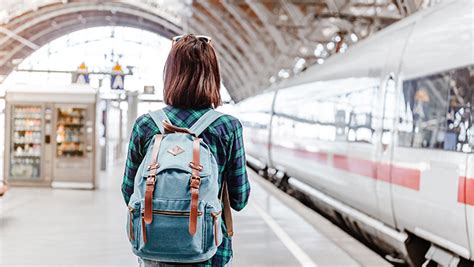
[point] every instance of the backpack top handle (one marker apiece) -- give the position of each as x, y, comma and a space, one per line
165, 125
170, 128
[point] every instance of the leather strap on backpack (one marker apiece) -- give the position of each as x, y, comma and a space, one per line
227, 212
195, 182
151, 179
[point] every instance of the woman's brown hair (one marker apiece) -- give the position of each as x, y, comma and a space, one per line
191, 75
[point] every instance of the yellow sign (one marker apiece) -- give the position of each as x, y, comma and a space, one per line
82, 68
117, 68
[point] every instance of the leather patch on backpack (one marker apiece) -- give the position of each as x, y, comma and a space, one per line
176, 150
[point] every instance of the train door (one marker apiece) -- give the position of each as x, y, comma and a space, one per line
432, 148
466, 197
466, 183
389, 97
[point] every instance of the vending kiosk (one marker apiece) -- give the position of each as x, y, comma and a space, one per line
50, 137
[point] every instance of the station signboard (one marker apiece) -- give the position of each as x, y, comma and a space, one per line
82, 75
117, 78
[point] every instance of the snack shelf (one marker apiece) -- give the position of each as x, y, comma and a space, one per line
26, 142
70, 137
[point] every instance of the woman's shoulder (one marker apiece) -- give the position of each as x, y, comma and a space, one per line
232, 122
226, 125
146, 125
143, 120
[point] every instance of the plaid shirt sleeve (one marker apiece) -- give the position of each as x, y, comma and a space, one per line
143, 128
134, 159
236, 171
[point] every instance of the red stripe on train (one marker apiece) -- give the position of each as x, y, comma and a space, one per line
409, 178
405, 177
320, 157
466, 191
470, 192
358, 166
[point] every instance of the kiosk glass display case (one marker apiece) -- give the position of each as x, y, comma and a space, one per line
26, 142
70, 135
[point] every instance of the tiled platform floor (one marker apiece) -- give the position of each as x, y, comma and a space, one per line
46, 227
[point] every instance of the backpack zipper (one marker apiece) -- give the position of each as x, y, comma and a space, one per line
174, 213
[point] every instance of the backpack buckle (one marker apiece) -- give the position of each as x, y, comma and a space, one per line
150, 180
195, 167
195, 181
153, 167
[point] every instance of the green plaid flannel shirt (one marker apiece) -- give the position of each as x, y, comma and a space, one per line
224, 138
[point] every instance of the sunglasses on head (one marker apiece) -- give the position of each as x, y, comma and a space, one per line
202, 38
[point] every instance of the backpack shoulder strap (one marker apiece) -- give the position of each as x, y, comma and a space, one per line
204, 121
158, 117
197, 128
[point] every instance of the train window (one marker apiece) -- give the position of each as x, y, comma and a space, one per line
435, 111
353, 117
259, 103
255, 112
328, 117
360, 122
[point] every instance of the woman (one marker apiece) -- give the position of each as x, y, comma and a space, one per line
192, 87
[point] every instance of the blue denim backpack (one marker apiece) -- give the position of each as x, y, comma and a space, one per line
175, 210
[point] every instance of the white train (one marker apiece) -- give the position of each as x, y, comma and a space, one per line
383, 136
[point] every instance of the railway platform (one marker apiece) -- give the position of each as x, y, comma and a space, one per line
273, 230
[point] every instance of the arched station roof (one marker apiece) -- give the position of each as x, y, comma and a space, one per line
259, 41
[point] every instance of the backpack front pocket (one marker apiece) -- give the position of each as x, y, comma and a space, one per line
212, 228
168, 234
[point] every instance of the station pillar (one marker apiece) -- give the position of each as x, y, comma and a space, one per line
132, 113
